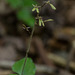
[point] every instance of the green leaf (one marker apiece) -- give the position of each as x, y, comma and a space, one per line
15, 3
23, 14
12, 74
21, 3
26, 16
52, 6
29, 68
29, 2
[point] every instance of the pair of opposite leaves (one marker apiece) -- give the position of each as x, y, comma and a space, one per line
29, 68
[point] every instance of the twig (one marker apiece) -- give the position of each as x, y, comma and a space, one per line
60, 61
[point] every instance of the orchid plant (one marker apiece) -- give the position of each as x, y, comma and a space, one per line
26, 66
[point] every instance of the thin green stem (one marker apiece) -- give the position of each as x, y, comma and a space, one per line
28, 49
43, 5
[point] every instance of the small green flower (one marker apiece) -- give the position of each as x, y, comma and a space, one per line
52, 6
41, 22
24, 27
36, 8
